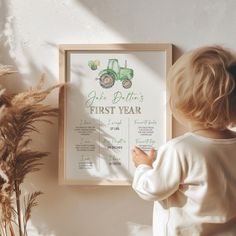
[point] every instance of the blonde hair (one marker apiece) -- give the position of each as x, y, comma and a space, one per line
201, 87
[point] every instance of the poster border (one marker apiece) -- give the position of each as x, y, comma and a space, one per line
64, 49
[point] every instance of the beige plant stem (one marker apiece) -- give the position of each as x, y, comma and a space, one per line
17, 192
18, 117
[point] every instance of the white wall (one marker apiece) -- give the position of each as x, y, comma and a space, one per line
30, 31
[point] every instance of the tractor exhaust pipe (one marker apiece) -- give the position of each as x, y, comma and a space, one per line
125, 63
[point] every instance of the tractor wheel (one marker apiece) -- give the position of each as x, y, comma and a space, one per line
127, 83
107, 81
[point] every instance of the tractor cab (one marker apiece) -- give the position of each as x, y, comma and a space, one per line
113, 65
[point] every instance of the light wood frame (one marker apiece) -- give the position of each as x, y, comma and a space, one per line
64, 49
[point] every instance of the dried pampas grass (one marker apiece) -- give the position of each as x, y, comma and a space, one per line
4, 70
19, 115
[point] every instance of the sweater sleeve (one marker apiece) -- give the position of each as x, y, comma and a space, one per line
162, 180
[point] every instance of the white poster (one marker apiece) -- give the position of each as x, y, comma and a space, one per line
113, 101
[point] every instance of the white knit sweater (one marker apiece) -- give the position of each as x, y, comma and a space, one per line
193, 186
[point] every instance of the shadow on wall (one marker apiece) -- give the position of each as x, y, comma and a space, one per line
5, 49
177, 128
129, 17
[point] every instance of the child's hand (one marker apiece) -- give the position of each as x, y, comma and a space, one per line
140, 157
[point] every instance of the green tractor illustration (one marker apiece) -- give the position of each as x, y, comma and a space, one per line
114, 72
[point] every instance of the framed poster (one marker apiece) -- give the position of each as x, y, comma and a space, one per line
114, 98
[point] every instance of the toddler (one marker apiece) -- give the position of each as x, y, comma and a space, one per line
193, 179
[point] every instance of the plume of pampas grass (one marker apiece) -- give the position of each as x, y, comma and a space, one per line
19, 115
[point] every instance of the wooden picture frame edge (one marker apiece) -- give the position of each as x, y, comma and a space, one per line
63, 49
